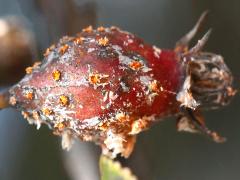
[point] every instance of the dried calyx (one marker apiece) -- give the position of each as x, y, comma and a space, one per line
211, 80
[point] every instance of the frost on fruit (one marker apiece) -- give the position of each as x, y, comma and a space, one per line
107, 86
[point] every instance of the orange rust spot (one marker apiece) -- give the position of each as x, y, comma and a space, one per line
102, 127
60, 126
47, 111
63, 49
29, 95
63, 100
103, 41
78, 40
88, 29
135, 65
155, 86
29, 70
94, 78
56, 74
98, 78
49, 50
36, 64
101, 29
12, 101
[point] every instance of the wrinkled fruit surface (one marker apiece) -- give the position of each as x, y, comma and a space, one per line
103, 85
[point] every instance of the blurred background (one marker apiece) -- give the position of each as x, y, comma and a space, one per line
28, 27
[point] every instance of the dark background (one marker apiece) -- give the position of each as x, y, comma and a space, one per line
161, 152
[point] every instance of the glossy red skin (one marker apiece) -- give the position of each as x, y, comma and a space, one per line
87, 106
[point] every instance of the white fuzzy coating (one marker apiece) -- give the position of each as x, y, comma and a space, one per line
114, 143
157, 51
67, 140
185, 96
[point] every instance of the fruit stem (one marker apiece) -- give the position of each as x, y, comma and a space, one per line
4, 99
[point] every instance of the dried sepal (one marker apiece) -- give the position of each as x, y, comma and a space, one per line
185, 124
185, 96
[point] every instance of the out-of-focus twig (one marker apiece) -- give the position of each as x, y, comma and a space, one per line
16, 49
4, 100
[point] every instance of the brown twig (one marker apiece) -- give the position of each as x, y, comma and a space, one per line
4, 99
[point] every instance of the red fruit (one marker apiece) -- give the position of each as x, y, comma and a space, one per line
107, 85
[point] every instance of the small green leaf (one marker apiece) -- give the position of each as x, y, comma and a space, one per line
112, 170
